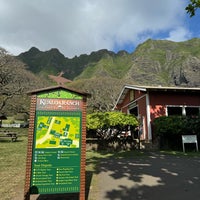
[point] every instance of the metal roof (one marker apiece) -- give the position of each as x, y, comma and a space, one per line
126, 88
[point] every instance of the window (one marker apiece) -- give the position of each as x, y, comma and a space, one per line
132, 95
174, 111
183, 110
192, 111
134, 111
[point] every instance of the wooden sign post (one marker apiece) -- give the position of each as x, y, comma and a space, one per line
56, 143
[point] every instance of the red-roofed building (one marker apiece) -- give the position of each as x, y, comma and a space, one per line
59, 79
150, 102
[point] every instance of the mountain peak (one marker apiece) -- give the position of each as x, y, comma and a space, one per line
153, 62
54, 50
34, 50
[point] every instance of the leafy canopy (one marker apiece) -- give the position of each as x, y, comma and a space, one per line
110, 119
192, 7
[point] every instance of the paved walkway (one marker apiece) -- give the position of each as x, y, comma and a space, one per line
152, 177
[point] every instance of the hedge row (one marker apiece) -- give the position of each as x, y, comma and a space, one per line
170, 128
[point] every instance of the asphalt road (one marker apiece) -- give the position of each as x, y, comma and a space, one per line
152, 177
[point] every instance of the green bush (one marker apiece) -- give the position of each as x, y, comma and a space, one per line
109, 119
170, 128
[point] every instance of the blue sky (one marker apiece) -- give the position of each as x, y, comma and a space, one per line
193, 24
81, 26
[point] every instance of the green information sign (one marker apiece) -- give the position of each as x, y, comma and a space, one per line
57, 144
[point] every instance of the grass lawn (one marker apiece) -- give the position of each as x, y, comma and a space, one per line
13, 166
13, 163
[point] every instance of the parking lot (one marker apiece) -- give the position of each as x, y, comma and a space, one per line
152, 177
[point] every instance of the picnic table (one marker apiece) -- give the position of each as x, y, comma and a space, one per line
8, 135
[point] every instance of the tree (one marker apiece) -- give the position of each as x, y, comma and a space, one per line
15, 81
104, 92
101, 120
9, 81
112, 127
192, 7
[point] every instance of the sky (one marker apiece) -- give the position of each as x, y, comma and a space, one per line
78, 27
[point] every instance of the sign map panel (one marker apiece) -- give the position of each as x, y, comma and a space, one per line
56, 145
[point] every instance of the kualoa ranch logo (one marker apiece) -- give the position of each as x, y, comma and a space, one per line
58, 104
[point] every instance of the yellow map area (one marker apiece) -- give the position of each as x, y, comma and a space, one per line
57, 132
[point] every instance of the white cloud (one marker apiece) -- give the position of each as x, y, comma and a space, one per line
81, 26
179, 34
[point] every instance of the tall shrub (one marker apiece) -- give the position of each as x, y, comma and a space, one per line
170, 128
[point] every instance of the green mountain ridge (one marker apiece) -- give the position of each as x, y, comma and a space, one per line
154, 62
103, 73
53, 62
166, 63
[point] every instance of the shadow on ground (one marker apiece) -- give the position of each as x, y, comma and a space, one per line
55, 197
149, 177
